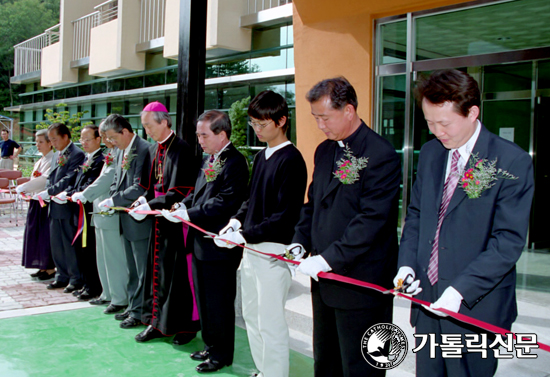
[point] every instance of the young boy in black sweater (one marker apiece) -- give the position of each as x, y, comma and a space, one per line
265, 222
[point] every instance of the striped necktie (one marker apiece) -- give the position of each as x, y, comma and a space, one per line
448, 190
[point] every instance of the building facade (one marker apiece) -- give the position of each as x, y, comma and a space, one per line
115, 56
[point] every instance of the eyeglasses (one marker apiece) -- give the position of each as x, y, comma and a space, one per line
259, 126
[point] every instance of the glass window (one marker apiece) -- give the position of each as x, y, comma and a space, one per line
116, 85
84, 90
230, 95
99, 87
544, 75
133, 83
393, 42
155, 79
507, 77
512, 25
392, 110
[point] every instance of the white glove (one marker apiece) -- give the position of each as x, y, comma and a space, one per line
312, 266
43, 194
138, 216
235, 237
60, 198
232, 226
451, 300
140, 201
106, 204
171, 216
411, 286
79, 196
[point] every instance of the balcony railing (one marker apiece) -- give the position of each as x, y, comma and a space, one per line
107, 11
151, 20
255, 6
82, 29
28, 54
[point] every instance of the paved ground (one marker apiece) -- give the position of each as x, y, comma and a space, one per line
17, 289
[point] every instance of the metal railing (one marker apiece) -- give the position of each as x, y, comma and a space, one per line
151, 20
107, 11
82, 30
28, 54
255, 6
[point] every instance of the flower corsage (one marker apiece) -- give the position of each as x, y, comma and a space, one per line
213, 170
127, 161
349, 167
481, 175
108, 159
62, 160
85, 167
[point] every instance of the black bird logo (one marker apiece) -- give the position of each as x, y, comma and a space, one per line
390, 349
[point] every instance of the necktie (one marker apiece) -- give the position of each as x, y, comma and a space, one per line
211, 159
448, 190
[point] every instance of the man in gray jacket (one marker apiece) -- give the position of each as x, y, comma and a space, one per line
111, 259
132, 157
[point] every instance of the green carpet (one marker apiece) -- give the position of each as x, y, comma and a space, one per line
88, 343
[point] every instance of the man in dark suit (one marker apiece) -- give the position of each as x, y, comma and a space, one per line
349, 226
62, 225
216, 198
132, 158
87, 174
464, 230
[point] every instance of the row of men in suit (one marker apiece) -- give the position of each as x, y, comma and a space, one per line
464, 232
348, 226
73, 171
465, 229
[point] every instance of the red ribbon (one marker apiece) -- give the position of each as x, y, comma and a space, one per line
41, 201
332, 276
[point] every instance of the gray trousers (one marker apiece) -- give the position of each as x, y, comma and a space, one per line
6, 163
136, 259
112, 266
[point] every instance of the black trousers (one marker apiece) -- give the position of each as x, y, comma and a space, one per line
62, 232
469, 365
337, 337
87, 260
215, 291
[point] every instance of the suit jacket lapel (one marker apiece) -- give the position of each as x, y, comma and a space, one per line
327, 179
119, 170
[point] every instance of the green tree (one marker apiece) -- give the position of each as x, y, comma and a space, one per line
19, 21
64, 116
238, 114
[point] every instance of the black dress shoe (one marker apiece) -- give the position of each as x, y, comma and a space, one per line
112, 309
209, 366
71, 288
200, 355
130, 322
78, 292
183, 338
37, 274
122, 316
98, 301
149, 333
45, 276
56, 284
86, 295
